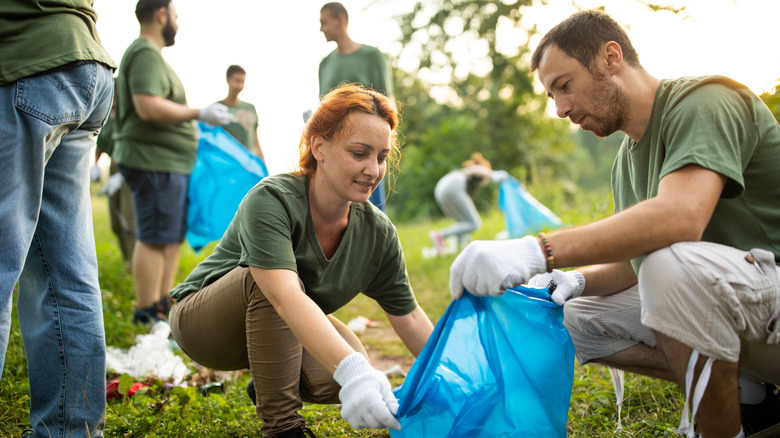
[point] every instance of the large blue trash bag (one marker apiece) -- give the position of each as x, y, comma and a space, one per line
224, 172
522, 212
493, 367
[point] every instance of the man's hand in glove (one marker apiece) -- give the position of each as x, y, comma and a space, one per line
563, 285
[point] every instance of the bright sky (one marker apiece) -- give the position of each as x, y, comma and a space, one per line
280, 46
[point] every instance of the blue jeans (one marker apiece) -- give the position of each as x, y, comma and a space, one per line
48, 125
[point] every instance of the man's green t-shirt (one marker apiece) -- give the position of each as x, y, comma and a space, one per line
272, 229
719, 124
245, 126
147, 146
366, 65
39, 35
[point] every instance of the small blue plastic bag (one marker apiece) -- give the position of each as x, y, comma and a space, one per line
523, 213
493, 367
223, 174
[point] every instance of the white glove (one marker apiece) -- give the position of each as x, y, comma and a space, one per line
113, 184
216, 114
94, 173
490, 267
562, 285
367, 399
499, 176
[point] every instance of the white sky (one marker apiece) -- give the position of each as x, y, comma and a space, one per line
280, 46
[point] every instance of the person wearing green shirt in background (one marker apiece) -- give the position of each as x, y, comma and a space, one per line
155, 151
244, 128
682, 282
352, 62
55, 95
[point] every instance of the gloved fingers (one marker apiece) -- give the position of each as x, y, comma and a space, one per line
560, 296
540, 280
456, 275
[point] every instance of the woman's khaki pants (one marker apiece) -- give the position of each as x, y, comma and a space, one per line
230, 325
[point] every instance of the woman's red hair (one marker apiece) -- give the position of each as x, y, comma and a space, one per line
330, 120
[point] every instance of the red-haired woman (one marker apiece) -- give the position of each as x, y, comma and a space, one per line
300, 247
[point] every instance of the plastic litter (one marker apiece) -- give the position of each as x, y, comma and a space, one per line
618, 381
360, 323
493, 367
224, 172
152, 355
522, 212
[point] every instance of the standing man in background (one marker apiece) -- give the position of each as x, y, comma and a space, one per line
352, 62
55, 95
244, 128
155, 151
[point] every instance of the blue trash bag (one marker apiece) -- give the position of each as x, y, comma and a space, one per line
522, 212
493, 367
224, 172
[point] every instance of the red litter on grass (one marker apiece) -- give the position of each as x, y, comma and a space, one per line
112, 389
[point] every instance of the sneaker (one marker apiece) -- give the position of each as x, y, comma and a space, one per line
762, 420
438, 242
250, 391
148, 315
298, 432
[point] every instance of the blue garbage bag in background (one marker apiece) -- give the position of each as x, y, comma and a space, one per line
493, 367
522, 212
224, 172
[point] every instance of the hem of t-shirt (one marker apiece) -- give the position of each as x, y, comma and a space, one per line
403, 311
31, 70
709, 166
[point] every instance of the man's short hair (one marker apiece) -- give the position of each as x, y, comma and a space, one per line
582, 35
336, 9
234, 69
145, 9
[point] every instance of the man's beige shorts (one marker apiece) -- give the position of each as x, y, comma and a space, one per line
716, 299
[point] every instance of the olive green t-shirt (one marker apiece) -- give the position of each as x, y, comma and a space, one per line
272, 229
245, 126
366, 65
148, 146
39, 35
719, 124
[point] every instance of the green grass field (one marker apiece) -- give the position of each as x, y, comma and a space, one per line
651, 407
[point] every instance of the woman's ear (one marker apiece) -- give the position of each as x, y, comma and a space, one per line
318, 146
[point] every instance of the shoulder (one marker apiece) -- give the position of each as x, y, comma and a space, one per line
697, 90
371, 216
328, 57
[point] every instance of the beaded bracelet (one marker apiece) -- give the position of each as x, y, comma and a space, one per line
548, 251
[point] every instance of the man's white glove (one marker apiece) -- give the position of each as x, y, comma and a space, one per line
367, 399
113, 184
563, 285
216, 114
490, 267
94, 173
499, 176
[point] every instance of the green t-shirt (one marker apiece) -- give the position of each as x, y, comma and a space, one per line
720, 125
272, 229
365, 65
147, 146
38, 35
245, 126
105, 140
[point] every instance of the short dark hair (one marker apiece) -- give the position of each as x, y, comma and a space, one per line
234, 69
582, 35
145, 9
336, 9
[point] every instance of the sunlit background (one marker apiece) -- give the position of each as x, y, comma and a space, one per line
280, 46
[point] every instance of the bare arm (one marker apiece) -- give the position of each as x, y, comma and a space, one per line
414, 329
608, 278
680, 212
155, 109
303, 316
258, 148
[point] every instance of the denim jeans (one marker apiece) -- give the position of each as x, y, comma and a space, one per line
48, 126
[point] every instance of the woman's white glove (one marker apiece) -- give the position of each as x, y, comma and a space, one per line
563, 285
216, 114
499, 176
94, 173
490, 267
113, 184
367, 399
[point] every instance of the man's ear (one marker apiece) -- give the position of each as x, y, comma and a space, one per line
613, 56
162, 15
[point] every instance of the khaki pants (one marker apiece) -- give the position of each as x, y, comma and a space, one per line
718, 300
230, 325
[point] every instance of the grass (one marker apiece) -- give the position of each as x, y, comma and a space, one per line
651, 407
